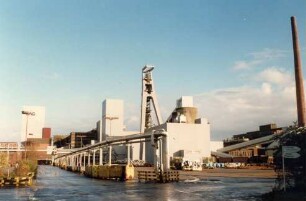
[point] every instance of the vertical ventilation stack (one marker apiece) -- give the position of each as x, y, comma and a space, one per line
298, 75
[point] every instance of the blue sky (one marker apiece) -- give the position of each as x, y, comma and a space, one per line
235, 57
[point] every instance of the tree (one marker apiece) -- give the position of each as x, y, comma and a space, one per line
3, 159
295, 169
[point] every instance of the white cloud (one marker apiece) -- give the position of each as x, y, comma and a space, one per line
276, 76
259, 58
242, 65
267, 54
241, 109
266, 88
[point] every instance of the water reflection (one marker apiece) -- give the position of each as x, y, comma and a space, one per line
56, 184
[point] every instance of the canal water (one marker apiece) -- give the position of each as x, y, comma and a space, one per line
58, 185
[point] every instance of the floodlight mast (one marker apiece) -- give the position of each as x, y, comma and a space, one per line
148, 97
27, 113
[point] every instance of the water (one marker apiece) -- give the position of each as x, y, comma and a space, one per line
56, 184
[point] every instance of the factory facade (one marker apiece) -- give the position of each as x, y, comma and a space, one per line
188, 135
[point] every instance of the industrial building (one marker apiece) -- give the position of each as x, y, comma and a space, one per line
35, 148
251, 147
76, 139
264, 130
188, 135
35, 137
33, 121
112, 118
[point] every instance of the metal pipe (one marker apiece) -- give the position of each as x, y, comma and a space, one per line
118, 140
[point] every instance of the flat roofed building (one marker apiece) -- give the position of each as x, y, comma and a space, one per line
32, 125
112, 118
182, 136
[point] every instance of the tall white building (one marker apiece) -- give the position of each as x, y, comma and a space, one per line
112, 118
33, 122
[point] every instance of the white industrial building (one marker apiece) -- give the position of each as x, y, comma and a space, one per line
188, 135
112, 126
33, 121
112, 118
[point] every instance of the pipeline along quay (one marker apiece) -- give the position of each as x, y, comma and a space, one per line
53, 183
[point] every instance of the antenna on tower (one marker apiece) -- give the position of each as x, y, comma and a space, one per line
149, 98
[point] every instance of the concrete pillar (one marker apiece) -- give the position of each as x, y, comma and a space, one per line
110, 156
78, 160
84, 159
101, 156
165, 156
300, 97
160, 155
128, 154
94, 157
88, 158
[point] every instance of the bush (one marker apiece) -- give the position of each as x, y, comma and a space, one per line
26, 166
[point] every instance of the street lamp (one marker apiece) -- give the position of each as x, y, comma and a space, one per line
27, 113
110, 134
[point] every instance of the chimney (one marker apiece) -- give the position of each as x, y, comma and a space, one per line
298, 75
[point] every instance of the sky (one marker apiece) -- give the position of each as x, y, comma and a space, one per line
234, 57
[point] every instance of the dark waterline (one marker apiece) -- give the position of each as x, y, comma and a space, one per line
56, 184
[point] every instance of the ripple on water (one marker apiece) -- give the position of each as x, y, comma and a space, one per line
56, 184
